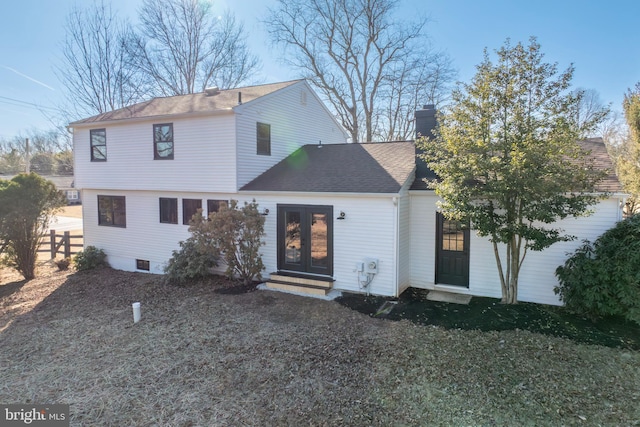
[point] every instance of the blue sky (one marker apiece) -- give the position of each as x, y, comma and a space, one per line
599, 38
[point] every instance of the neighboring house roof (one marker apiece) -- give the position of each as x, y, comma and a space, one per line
188, 104
602, 160
381, 167
595, 146
62, 182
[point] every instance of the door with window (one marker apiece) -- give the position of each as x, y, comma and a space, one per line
452, 252
305, 239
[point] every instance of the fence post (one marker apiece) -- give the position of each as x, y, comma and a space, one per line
67, 245
52, 239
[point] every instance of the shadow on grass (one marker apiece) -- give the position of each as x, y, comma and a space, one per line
488, 314
11, 288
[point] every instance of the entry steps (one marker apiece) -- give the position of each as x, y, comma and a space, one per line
300, 283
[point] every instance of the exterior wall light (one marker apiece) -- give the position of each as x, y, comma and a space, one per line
342, 215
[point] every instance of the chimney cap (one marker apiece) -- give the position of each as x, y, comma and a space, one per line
212, 90
428, 107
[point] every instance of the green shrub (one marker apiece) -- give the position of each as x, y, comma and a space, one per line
90, 258
603, 278
233, 235
238, 233
191, 261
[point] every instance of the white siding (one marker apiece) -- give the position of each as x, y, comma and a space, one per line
537, 278
366, 232
204, 157
293, 124
423, 238
404, 242
144, 236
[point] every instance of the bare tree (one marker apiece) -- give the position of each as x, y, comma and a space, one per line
358, 57
95, 70
414, 84
184, 47
589, 108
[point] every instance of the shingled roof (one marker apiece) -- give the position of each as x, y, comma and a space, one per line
187, 104
595, 146
602, 160
341, 168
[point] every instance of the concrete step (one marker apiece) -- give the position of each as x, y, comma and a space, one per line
442, 296
301, 288
320, 282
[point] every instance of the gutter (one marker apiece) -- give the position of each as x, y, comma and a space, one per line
220, 112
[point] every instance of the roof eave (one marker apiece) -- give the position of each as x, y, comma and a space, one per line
161, 117
317, 193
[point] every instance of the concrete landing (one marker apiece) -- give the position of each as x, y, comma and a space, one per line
448, 297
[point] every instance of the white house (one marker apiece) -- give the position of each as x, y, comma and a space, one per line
353, 217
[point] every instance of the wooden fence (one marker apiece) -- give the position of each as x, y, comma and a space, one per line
61, 243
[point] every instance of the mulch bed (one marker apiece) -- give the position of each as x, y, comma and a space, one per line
488, 314
200, 358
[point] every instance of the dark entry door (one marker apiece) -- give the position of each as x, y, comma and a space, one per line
452, 252
305, 239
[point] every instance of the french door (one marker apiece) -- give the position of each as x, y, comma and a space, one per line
305, 239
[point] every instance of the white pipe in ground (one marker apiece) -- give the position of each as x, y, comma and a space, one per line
136, 312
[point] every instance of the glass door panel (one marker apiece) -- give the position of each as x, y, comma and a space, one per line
319, 240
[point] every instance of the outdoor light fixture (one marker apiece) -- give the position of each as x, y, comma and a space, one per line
265, 212
342, 215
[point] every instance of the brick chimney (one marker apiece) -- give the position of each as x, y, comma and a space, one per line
425, 124
425, 121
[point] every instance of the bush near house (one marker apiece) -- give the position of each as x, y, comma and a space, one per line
232, 235
603, 278
190, 261
90, 259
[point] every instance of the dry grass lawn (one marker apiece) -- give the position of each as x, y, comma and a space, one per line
204, 358
73, 211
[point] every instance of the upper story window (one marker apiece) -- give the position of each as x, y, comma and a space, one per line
189, 209
163, 141
215, 205
168, 210
98, 139
263, 144
112, 211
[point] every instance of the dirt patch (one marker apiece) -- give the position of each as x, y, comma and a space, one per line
199, 357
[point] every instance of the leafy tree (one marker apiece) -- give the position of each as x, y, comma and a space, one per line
27, 204
42, 163
373, 68
238, 234
602, 278
507, 157
64, 162
628, 161
11, 161
183, 47
49, 153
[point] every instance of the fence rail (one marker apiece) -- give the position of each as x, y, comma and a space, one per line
60, 243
